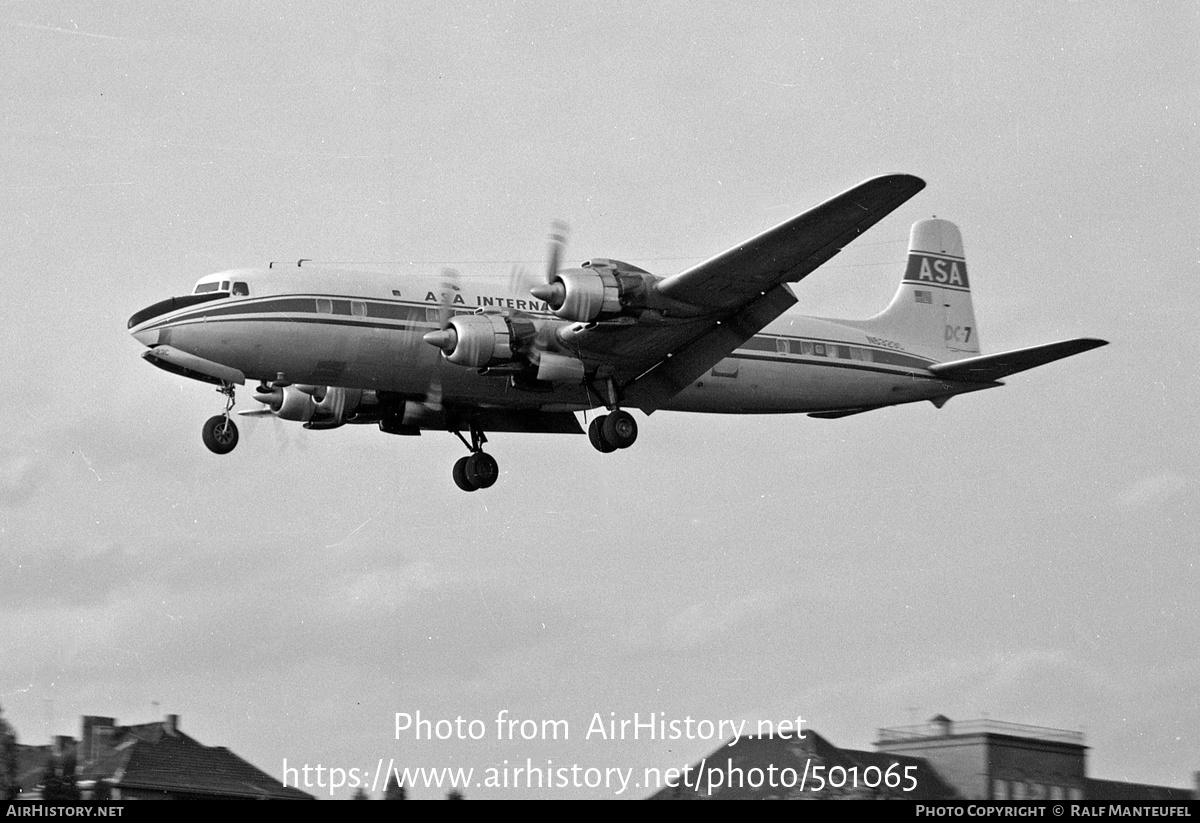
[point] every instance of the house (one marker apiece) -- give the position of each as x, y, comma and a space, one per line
994, 760
791, 766
150, 761
938, 760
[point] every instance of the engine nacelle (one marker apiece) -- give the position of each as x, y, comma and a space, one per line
476, 340
319, 407
290, 402
334, 407
586, 294
602, 289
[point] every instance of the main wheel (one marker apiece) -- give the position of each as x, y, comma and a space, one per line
620, 429
460, 475
481, 470
220, 434
596, 434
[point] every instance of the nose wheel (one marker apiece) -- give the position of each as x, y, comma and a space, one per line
478, 470
220, 434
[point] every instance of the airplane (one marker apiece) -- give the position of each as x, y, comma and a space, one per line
433, 350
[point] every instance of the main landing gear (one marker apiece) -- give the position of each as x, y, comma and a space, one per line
615, 430
610, 432
478, 470
220, 434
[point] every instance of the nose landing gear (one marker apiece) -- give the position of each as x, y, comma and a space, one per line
478, 470
219, 433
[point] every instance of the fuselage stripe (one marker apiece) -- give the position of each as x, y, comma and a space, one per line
407, 316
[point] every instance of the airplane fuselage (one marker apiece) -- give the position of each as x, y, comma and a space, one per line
326, 326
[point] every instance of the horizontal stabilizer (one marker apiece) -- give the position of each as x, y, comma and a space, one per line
991, 367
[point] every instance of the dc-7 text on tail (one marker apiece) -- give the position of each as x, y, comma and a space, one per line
424, 350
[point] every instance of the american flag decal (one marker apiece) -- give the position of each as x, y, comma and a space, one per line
923, 296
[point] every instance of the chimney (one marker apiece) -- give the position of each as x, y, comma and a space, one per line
941, 724
171, 724
96, 738
63, 743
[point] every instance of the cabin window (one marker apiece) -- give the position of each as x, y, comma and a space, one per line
781, 345
324, 305
240, 289
433, 315
358, 308
803, 348
819, 349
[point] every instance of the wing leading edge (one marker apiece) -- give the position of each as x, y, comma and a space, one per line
793, 249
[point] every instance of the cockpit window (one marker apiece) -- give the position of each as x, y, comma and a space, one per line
240, 289
203, 287
224, 285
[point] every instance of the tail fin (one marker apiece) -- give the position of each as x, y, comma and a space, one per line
932, 310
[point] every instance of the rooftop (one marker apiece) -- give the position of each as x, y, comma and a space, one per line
943, 727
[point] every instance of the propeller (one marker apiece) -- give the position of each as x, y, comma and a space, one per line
558, 243
519, 280
445, 338
552, 292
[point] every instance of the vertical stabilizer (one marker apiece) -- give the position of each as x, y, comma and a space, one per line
932, 310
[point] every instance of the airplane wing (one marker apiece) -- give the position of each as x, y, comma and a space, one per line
791, 250
991, 367
736, 293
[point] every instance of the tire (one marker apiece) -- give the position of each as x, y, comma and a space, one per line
220, 434
460, 475
597, 437
481, 470
620, 429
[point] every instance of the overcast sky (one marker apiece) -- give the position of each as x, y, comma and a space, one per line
1028, 554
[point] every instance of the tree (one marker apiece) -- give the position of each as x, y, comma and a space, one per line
361, 794
9, 786
393, 790
58, 780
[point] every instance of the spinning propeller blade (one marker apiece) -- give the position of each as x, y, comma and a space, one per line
550, 291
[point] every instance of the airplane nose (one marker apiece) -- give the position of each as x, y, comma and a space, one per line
147, 338
141, 318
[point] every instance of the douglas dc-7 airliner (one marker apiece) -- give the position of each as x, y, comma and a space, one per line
330, 345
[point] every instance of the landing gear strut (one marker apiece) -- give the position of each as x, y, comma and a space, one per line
616, 430
220, 434
478, 470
